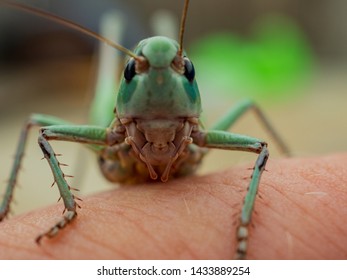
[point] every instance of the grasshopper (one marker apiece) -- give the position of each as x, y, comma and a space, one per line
154, 131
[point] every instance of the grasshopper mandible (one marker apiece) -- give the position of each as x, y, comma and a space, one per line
154, 132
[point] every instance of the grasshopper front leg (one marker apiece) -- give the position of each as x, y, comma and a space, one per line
64, 188
230, 141
92, 135
56, 129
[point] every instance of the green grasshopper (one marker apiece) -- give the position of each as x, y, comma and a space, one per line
154, 132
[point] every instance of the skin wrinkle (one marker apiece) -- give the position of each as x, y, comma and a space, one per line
202, 246
269, 231
182, 247
331, 210
86, 249
316, 222
137, 210
15, 246
220, 205
95, 241
330, 169
223, 183
256, 223
311, 217
216, 197
117, 211
83, 233
337, 226
201, 225
143, 229
188, 251
325, 174
166, 200
101, 243
315, 178
195, 193
18, 246
53, 247
130, 210
282, 240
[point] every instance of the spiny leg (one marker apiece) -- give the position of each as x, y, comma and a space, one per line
230, 141
239, 110
64, 189
34, 120
91, 135
248, 205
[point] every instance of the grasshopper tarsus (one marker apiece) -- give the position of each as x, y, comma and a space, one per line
68, 217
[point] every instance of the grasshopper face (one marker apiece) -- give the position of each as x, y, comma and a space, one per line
161, 86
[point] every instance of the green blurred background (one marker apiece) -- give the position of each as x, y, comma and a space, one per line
290, 56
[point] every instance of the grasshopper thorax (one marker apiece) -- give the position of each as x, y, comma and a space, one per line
158, 103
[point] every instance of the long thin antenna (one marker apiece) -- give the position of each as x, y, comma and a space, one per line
69, 24
183, 23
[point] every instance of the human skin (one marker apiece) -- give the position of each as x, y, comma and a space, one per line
300, 213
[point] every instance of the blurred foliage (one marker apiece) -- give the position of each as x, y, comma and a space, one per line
267, 66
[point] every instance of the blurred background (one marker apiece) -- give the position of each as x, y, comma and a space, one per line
290, 56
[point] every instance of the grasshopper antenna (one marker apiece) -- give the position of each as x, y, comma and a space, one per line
69, 24
183, 23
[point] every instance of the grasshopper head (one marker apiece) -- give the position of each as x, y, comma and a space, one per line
160, 84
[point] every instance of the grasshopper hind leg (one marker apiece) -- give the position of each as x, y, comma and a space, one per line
239, 110
34, 120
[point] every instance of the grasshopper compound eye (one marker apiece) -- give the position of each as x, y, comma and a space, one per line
189, 70
130, 71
